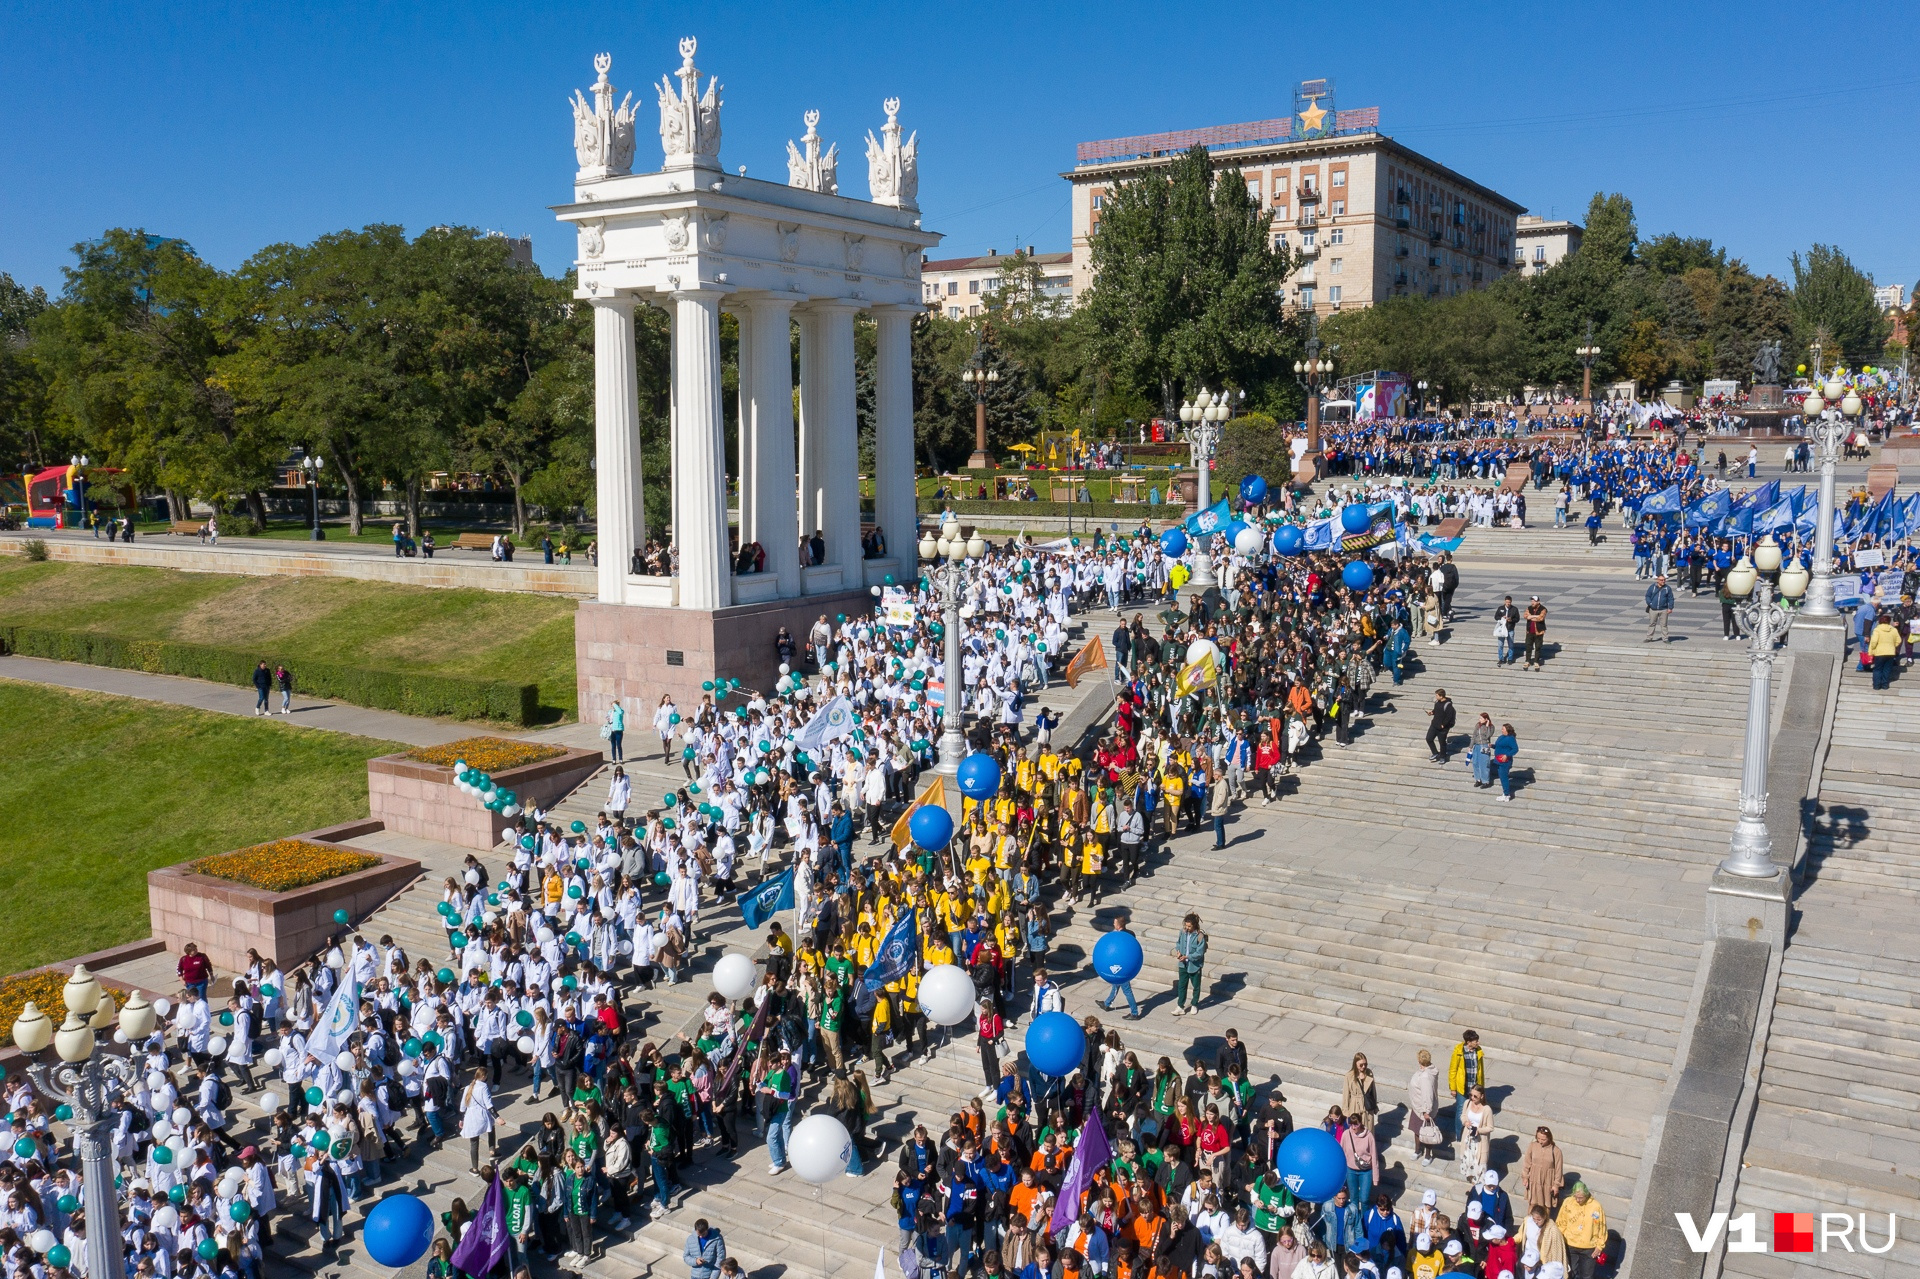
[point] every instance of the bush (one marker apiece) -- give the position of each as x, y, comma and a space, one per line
282, 865
1010, 512
411, 693
47, 990
37, 549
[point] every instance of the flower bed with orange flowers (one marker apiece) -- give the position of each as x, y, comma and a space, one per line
283, 865
45, 987
488, 754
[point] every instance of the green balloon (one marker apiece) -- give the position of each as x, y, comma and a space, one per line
164, 1155
458, 939
445, 976
63, 1113
59, 1256
341, 918
523, 1017
269, 992
240, 1211
178, 1194
68, 1203
670, 799
315, 1096
432, 1036
226, 1019
208, 1249
411, 1048
321, 1142
578, 826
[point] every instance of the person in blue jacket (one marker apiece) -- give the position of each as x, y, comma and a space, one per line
1505, 747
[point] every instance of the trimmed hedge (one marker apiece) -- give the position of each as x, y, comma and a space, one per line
408, 692
1091, 510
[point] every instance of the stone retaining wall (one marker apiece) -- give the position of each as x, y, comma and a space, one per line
225, 919
421, 799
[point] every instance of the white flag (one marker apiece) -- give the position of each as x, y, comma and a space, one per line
832, 722
337, 1023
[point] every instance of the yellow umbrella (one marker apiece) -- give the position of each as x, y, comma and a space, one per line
1020, 448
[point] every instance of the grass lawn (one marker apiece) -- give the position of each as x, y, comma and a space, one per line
100, 790
483, 634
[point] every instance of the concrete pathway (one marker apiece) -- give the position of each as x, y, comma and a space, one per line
225, 699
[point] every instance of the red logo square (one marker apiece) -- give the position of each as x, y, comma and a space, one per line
1793, 1232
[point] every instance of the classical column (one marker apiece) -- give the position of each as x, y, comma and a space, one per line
766, 379
813, 417
895, 508
700, 472
749, 530
840, 462
616, 430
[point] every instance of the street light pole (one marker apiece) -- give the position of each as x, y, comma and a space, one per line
948, 578
1828, 424
1587, 353
87, 1082
977, 375
1751, 852
1203, 415
311, 464
1311, 373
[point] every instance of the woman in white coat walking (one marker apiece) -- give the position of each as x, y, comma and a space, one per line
476, 1116
1423, 1101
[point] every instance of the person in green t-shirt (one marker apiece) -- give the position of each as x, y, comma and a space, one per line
772, 1096
577, 1207
521, 1229
660, 1155
1272, 1202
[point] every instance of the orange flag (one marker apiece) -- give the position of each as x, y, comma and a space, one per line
1092, 655
935, 794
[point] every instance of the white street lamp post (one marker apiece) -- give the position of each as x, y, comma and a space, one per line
1828, 423
84, 1080
1751, 854
948, 577
1203, 415
312, 464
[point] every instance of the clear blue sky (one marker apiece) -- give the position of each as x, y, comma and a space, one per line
237, 125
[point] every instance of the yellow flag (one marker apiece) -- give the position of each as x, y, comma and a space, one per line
1195, 676
935, 794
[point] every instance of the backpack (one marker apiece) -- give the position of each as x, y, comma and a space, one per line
222, 1095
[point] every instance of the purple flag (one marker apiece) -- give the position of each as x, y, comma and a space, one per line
485, 1241
1089, 1157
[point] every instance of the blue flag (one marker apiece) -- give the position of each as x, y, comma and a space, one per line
767, 900
896, 954
1318, 536
1665, 502
1714, 506
1210, 521
1775, 518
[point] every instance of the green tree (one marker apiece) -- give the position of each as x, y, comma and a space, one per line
1831, 294
24, 442
1186, 283
1611, 230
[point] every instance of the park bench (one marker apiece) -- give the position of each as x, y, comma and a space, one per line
473, 542
191, 528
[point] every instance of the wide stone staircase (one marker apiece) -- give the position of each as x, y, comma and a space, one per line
1837, 1127
1382, 905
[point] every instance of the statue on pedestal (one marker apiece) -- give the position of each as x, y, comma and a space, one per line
893, 168
810, 170
690, 121
1766, 364
602, 136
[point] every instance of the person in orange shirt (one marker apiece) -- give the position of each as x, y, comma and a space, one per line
1149, 1225
1051, 1160
1021, 1198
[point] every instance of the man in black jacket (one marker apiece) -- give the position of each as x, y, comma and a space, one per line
1450, 577
1439, 726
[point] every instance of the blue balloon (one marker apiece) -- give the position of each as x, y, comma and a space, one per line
1173, 543
931, 827
1253, 490
1357, 575
1057, 1046
1354, 518
1288, 539
399, 1230
979, 776
1311, 1164
1117, 957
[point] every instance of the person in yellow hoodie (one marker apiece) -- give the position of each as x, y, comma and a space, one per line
1583, 1224
1883, 646
1466, 1070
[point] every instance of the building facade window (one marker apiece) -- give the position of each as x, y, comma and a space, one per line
1306, 297
1339, 178
1253, 190
973, 286
953, 287
1333, 293
1334, 267
1099, 201
1280, 188
1339, 208
1337, 235
1539, 253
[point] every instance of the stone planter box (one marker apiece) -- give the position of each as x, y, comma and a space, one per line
224, 918
421, 799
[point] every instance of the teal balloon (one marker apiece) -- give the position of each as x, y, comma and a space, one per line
178, 1194
314, 1097
445, 976
523, 1018
208, 1250
240, 1211
59, 1256
411, 1048
63, 1113
341, 918
457, 940
67, 1203
163, 1155
226, 1019
23, 1148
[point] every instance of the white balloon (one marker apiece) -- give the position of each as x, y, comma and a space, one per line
41, 1240
472, 876
119, 1036
344, 1096
406, 1067
785, 669
733, 975
524, 1043
820, 1148
1198, 649
270, 1102
217, 1045
1247, 541
508, 836
162, 1130
155, 1081
166, 1219
511, 810
334, 960
946, 995
177, 1144
161, 1007
344, 1061
182, 1116
273, 1057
